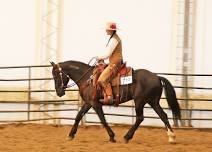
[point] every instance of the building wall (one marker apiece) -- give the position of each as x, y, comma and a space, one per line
147, 32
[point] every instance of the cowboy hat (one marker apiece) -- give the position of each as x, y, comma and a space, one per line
111, 26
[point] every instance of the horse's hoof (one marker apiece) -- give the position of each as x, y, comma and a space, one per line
172, 142
70, 138
126, 141
112, 140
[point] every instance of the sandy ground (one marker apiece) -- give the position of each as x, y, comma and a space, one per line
48, 138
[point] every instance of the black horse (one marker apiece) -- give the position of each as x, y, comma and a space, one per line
147, 87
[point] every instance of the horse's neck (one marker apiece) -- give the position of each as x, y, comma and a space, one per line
78, 72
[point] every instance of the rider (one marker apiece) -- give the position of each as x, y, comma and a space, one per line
113, 52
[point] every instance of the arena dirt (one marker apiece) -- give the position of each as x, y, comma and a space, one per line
48, 138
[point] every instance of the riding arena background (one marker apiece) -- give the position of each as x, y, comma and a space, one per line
170, 38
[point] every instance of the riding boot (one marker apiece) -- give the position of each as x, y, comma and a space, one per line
108, 95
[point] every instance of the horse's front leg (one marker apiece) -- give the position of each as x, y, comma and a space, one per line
98, 108
79, 116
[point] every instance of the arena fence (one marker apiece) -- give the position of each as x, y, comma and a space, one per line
46, 107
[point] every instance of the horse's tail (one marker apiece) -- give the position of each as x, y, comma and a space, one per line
171, 97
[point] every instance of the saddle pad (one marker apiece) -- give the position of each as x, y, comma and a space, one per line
124, 78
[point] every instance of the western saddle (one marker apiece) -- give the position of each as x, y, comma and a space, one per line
115, 80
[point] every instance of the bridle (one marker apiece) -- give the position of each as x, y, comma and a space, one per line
61, 72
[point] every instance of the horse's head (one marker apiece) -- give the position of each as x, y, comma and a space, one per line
60, 79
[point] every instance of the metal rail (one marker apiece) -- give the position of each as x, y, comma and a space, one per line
31, 101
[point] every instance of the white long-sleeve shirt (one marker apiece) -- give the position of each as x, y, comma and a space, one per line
109, 49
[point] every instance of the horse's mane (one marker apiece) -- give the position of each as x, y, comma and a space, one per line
78, 64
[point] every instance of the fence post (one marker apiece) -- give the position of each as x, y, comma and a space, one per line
29, 93
80, 102
133, 112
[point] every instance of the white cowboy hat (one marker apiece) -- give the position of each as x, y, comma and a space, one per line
111, 26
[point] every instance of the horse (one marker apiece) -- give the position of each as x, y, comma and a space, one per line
147, 87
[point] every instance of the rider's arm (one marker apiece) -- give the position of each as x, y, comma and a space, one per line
109, 49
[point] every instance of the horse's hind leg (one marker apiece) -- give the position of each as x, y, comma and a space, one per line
139, 119
79, 116
163, 116
98, 108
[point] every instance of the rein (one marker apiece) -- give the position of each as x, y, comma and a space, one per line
74, 83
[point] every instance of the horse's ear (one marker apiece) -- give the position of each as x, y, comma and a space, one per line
52, 63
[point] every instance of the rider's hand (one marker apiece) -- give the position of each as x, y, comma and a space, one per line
98, 59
